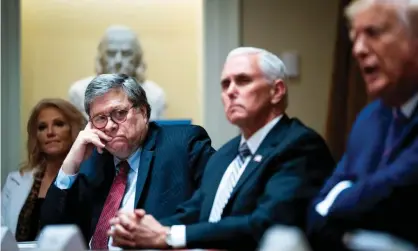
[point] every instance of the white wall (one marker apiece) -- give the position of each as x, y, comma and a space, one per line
221, 34
310, 30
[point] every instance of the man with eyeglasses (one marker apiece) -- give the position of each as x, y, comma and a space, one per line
121, 161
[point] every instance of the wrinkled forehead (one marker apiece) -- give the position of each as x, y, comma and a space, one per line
241, 64
114, 99
120, 41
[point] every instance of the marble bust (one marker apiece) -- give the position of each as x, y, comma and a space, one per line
119, 51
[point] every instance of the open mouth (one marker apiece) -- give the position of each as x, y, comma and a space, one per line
368, 70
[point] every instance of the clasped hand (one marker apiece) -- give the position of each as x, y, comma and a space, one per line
137, 230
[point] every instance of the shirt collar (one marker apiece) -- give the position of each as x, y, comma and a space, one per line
255, 141
409, 107
133, 160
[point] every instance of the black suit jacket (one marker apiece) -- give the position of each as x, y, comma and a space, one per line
276, 190
171, 165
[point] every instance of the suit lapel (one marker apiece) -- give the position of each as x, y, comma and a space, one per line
147, 156
224, 158
406, 135
97, 168
376, 128
263, 152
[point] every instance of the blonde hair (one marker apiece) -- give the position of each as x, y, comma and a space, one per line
75, 118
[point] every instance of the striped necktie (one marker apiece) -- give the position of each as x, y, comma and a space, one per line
222, 196
111, 207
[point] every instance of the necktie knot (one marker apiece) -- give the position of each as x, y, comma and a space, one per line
123, 168
399, 116
244, 152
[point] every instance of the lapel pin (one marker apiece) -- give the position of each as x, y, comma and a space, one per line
258, 158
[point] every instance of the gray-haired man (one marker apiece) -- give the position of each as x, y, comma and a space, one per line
137, 164
265, 176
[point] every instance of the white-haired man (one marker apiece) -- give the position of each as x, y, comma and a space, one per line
119, 51
263, 177
375, 184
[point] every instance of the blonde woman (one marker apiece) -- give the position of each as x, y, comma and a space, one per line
52, 128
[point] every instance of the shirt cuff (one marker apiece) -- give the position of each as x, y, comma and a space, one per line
178, 236
65, 181
323, 207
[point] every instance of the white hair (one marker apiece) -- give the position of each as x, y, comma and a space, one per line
271, 65
402, 6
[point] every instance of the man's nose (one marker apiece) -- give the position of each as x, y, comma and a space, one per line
111, 125
118, 57
360, 48
231, 90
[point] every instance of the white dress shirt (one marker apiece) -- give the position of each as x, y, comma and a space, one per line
178, 232
323, 207
155, 96
65, 181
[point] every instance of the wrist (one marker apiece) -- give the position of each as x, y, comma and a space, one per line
163, 236
68, 167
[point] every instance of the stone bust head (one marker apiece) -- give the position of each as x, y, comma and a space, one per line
119, 51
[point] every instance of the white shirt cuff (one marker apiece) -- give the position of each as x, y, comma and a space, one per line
178, 236
323, 207
65, 181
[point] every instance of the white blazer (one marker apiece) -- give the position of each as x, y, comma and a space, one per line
13, 197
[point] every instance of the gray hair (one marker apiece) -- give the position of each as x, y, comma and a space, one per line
105, 83
403, 7
139, 62
271, 65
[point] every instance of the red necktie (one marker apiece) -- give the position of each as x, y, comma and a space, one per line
111, 207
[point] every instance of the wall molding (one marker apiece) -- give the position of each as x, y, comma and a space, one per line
10, 87
221, 33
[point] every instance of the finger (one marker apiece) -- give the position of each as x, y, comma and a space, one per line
120, 242
95, 140
121, 232
140, 213
114, 221
127, 222
89, 125
101, 135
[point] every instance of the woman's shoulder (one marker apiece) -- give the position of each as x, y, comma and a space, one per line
21, 174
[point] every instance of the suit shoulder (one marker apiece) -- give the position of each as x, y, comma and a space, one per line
19, 175
303, 131
182, 130
369, 110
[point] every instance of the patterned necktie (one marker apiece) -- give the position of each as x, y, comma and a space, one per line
222, 196
111, 207
397, 126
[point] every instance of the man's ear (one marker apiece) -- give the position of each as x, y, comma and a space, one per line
143, 111
278, 91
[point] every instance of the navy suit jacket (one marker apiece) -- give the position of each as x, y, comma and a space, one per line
385, 184
171, 165
277, 189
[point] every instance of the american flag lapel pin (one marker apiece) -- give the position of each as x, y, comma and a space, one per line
258, 158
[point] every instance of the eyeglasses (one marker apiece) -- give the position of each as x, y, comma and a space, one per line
118, 116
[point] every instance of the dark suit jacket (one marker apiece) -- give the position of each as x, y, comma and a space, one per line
171, 165
276, 190
385, 185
